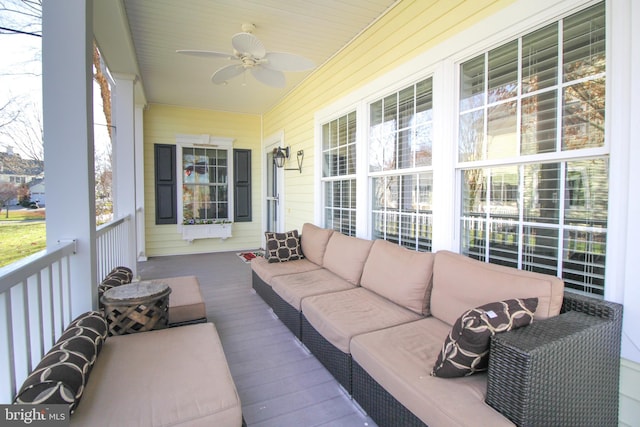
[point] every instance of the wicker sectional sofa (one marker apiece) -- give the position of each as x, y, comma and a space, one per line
377, 316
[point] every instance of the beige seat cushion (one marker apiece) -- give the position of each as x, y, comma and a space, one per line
293, 288
400, 360
185, 301
461, 283
314, 242
169, 377
399, 274
339, 316
267, 271
346, 255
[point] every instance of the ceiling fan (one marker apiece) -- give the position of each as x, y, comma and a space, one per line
250, 54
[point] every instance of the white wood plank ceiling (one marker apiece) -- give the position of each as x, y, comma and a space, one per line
314, 29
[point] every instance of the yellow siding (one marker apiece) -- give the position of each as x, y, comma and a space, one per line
161, 124
407, 30
629, 393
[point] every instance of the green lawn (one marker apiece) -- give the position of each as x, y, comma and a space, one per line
19, 239
22, 214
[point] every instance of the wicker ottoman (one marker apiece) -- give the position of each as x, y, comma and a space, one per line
137, 307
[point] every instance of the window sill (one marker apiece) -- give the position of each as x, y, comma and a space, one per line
192, 232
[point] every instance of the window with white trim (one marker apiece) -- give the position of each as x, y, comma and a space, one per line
400, 166
339, 174
532, 155
204, 180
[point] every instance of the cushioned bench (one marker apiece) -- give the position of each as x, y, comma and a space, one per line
186, 304
167, 377
175, 376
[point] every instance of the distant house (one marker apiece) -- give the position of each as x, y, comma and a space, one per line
36, 188
16, 170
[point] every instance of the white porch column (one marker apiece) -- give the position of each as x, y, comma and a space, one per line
67, 45
141, 248
123, 159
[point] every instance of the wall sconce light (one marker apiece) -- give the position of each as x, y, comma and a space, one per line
280, 156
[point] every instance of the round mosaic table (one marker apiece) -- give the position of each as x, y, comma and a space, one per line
136, 307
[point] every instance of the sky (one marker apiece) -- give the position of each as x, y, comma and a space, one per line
20, 68
21, 76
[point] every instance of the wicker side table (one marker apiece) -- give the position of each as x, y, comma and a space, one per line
136, 307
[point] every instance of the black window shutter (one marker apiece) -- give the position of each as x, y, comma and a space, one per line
242, 185
165, 174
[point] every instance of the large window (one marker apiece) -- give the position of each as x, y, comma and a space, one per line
532, 154
400, 166
205, 184
205, 174
338, 174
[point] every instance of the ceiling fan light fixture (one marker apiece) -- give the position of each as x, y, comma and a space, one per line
267, 67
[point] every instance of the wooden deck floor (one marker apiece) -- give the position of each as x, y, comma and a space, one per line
279, 382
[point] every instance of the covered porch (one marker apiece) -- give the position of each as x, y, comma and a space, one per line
40, 295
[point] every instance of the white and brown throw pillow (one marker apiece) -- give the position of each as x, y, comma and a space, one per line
282, 247
116, 277
62, 374
466, 349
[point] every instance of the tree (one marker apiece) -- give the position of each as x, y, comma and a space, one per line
8, 192
24, 195
20, 117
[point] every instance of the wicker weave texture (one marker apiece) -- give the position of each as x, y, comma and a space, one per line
264, 290
287, 315
336, 362
381, 406
563, 371
139, 316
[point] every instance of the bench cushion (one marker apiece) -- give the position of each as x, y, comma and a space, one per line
293, 288
339, 316
186, 303
314, 242
400, 359
346, 255
267, 271
461, 283
399, 274
176, 376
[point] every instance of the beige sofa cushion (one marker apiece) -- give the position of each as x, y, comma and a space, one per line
400, 359
461, 283
185, 301
170, 377
267, 271
346, 255
314, 242
339, 316
293, 288
399, 274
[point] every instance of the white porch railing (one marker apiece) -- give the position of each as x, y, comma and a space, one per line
35, 306
115, 246
35, 299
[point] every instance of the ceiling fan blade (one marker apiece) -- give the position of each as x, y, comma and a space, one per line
247, 43
281, 61
225, 73
269, 77
206, 53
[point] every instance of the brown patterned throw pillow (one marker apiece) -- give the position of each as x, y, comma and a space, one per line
282, 247
466, 349
116, 277
62, 374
